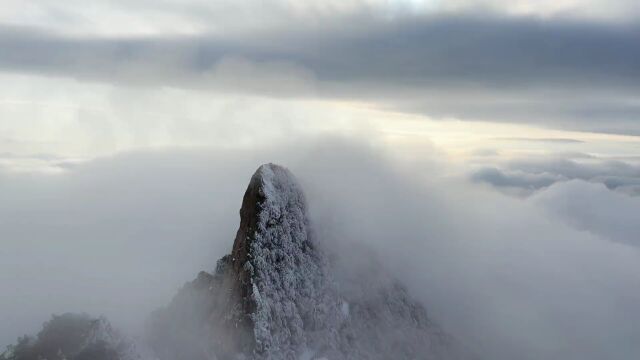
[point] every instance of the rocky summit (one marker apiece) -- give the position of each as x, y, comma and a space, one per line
280, 294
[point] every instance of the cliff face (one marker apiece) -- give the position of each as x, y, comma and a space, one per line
277, 296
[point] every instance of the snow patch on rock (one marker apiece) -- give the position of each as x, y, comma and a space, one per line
295, 302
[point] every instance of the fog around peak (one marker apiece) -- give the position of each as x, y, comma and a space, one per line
510, 277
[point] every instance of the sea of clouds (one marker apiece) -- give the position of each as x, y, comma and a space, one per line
553, 275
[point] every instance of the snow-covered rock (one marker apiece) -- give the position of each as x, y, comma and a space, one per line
279, 296
74, 337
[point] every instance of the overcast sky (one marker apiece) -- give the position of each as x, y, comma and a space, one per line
519, 118
92, 76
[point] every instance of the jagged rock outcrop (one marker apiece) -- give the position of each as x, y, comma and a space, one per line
278, 296
73, 337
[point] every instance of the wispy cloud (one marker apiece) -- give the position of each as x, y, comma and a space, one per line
542, 140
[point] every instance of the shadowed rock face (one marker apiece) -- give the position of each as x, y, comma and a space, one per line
277, 296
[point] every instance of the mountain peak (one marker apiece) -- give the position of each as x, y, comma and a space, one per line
272, 198
281, 273
278, 296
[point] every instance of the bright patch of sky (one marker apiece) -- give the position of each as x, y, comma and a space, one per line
58, 121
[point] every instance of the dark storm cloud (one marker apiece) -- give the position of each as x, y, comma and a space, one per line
500, 69
444, 51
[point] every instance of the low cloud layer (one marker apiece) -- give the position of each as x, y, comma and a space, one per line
594, 208
508, 276
527, 175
